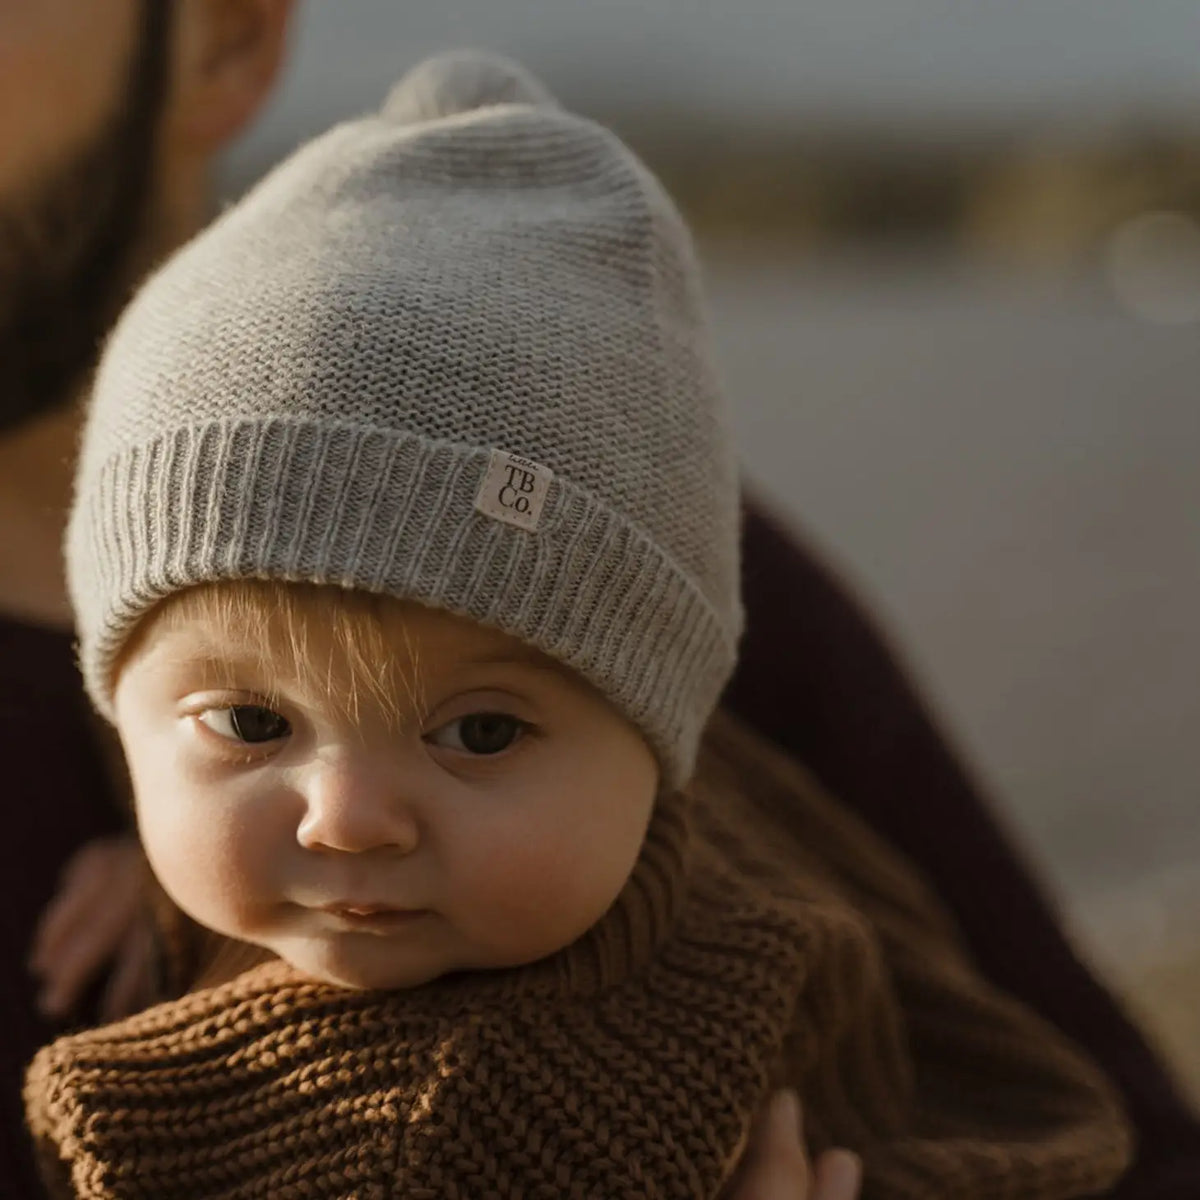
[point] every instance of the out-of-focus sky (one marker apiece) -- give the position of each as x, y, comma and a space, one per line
940, 64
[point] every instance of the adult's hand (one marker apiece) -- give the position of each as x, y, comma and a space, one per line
776, 1167
98, 917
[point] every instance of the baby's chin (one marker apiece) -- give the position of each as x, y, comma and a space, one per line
361, 962
368, 963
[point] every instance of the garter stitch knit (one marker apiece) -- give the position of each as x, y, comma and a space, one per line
765, 936
453, 352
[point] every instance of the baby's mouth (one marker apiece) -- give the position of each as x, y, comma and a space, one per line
380, 917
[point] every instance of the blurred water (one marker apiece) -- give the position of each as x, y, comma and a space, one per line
1009, 472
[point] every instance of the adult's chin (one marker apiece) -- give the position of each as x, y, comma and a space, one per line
74, 246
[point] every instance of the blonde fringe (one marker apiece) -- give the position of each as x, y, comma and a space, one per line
343, 645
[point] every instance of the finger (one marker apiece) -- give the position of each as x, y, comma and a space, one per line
785, 1125
84, 921
75, 962
775, 1166
84, 882
102, 879
838, 1176
103, 874
128, 987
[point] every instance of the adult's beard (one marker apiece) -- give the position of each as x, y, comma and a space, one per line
71, 252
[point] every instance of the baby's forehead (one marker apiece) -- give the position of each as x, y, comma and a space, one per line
331, 643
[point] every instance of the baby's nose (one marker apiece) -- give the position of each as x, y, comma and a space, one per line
353, 807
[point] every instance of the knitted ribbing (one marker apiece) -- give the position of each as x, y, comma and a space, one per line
322, 384
765, 936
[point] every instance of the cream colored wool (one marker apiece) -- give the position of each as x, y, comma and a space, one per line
314, 389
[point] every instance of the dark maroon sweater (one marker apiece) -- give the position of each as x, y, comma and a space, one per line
817, 678
56, 797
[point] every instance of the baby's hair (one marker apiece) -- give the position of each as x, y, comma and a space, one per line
277, 620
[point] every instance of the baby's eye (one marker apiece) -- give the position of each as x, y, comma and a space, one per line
479, 733
246, 723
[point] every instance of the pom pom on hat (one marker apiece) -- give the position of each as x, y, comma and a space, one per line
462, 81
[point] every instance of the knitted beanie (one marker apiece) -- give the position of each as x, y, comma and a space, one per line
452, 352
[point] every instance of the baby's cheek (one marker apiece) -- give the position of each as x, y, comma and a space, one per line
207, 862
535, 896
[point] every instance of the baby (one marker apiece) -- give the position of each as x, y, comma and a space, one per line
404, 557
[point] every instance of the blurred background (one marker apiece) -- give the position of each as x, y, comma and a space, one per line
954, 258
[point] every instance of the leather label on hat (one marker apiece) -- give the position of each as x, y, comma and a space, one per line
514, 490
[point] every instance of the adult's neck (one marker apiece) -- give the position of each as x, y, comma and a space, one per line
37, 461
36, 466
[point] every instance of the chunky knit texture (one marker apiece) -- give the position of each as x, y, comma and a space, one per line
317, 387
764, 936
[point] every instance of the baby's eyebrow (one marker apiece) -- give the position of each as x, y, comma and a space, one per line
219, 664
520, 657
504, 658
201, 653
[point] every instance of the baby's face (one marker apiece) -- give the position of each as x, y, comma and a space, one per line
485, 816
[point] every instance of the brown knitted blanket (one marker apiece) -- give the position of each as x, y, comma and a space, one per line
765, 935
